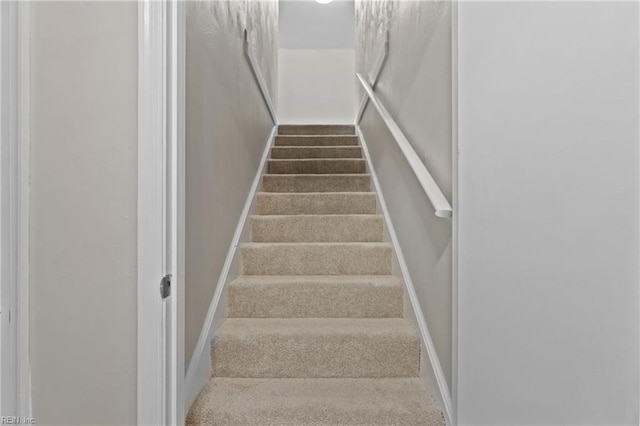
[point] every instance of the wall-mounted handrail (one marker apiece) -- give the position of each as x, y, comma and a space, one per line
255, 70
375, 76
434, 193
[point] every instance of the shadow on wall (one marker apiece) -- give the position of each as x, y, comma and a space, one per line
227, 126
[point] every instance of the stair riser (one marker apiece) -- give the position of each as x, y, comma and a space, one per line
315, 152
316, 259
285, 229
327, 203
316, 129
317, 402
316, 355
345, 140
316, 183
315, 300
316, 166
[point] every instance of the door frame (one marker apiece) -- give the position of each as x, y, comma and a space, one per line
15, 392
160, 351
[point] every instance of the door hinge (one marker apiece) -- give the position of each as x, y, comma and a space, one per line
165, 286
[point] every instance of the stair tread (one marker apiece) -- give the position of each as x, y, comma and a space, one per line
316, 140
316, 129
312, 148
319, 175
316, 160
318, 244
309, 401
378, 280
316, 193
316, 228
319, 136
326, 203
329, 182
318, 147
316, 166
316, 296
315, 347
336, 151
315, 326
317, 216
318, 258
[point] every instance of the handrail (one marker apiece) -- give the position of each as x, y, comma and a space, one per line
382, 59
436, 197
258, 77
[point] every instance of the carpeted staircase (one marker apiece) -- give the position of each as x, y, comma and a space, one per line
315, 333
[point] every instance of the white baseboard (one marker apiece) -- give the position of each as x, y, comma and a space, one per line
430, 369
199, 370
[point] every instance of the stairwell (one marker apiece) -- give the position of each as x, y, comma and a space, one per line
315, 333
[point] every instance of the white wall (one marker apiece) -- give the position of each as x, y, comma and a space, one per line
316, 74
415, 86
548, 213
306, 24
227, 126
84, 69
316, 86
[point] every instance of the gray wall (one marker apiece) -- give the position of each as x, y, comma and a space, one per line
415, 86
306, 24
227, 126
83, 212
548, 192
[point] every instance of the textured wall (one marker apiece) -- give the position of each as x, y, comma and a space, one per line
415, 86
548, 221
227, 125
84, 73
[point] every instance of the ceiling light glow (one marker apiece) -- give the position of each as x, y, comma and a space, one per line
324, 1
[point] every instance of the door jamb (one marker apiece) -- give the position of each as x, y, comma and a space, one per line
160, 380
455, 314
14, 224
176, 36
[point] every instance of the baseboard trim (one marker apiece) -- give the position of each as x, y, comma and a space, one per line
199, 370
438, 376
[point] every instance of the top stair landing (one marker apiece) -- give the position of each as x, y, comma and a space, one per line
316, 129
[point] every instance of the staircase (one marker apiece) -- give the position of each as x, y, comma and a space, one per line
315, 333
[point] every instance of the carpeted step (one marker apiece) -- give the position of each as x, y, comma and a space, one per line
315, 296
316, 140
316, 129
317, 183
316, 203
315, 333
278, 152
317, 166
315, 347
316, 228
315, 402
316, 259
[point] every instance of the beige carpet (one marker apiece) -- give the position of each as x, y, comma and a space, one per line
315, 334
